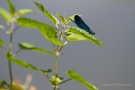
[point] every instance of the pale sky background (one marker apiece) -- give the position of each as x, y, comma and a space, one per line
114, 24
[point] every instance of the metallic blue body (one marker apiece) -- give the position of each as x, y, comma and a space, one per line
81, 24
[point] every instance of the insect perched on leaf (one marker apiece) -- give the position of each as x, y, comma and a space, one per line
81, 24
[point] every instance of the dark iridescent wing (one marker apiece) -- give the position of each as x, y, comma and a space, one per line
81, 24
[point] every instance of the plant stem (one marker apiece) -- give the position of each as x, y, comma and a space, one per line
61, 48
60, 33
54, 88
17, 52
10, 71
55, 65
55, 61
16, 28
10, 42
48, 78
10, 51
9, 63
65, 81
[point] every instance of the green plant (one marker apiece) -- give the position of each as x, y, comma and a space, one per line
57, 37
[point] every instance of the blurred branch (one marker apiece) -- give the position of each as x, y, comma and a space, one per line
17, 52
65, 81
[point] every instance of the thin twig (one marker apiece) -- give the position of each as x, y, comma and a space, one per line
48, 78
17, 52
65, 81
63, 46
64, 43
16, 28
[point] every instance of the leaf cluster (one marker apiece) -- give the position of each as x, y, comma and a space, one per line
56, 36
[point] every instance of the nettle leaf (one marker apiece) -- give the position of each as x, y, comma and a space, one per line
56, 19
5, 15
49, 15
77, 77
47, 31
83, 34
26, 22
25, 11
28, 46
50, 35
2, 27
11, 7
72, 17
25, 64
22, 63
74, 37
2, 42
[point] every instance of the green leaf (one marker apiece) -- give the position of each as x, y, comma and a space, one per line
72, 17
1, 42
49, 70
26, 22
80, 79
24, 64
5, 15
50, 35
47, 31
11, 7
28, 46
25, 11
61, 17
1, 26
49, 15
83, 34
74, 37
56, 19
